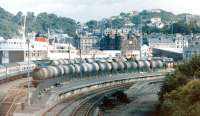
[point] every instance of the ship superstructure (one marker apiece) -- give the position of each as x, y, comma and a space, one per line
16, 50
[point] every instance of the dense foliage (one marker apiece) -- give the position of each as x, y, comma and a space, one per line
165, 16
181, 27
11, 24
180, 93
7, 25
179, 22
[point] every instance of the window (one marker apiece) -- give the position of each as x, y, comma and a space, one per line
26, 54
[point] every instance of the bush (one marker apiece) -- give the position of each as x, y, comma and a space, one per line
180, 93
185, 101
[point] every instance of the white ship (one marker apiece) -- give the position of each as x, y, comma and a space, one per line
61, 51
16, 50
60, 47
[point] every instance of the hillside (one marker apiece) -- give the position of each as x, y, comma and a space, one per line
11, 24
182, 23
7, 25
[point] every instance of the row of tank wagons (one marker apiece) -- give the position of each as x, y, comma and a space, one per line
96, 67
14, 69
86, 60
168, 61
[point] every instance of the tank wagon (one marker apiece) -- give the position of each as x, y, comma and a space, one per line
92, 67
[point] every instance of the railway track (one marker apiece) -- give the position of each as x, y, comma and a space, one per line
9, 103
87, 106
13, 78
82, 99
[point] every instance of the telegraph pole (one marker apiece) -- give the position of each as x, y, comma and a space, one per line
141, 37
28, 75
28, 40
69, 50
80, 58
172, 28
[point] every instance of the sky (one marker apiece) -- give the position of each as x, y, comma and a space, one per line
84, 10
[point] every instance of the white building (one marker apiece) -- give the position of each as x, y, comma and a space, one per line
193, 48
181, 41
146, 52
156, 22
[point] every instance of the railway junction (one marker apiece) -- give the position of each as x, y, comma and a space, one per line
67, 87
55, 96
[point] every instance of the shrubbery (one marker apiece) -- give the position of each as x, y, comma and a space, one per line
180, 93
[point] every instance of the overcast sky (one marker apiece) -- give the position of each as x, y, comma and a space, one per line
84, 10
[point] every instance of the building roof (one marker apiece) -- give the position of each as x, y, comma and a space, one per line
161, 40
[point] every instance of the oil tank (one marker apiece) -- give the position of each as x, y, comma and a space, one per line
45, 73
84, 67
160, 64
55, 62
66, 62
61, 62
41, 74
121, 65
109, 60
72, 69
114, 66
71, 61
61, 70
66, 69
90, 67
141, 63
153, 64
147, 64
83, 61
89, 60
76, 61
77, 68
134, 65
101, 60
55, 71
102, 66
127, 65
95, 67
108, 66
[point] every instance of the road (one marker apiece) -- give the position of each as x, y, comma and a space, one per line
144, 100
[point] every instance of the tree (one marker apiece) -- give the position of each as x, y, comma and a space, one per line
180, 92
184, 101
92, 25
118, 23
